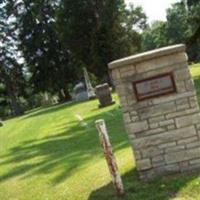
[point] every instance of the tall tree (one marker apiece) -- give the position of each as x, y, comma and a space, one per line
48, 61
178, 28
154, 36
194, 18
11, 72
97, 32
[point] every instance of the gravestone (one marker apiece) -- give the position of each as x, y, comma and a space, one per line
160, 110
90, 89
104, 95
80, 92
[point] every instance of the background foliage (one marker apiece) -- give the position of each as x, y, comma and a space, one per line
45, 44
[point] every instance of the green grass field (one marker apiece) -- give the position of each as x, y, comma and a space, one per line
48, 154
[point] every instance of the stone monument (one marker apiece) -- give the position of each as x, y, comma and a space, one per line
90, 89
104, 95
160, 110
80, 92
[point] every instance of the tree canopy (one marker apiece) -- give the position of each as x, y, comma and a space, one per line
45, 44
11, 72
96, 32
180, 27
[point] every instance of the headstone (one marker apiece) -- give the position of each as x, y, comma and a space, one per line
90, 89
104, 95
80, 92
160, 109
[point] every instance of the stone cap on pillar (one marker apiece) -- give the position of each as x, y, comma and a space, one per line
147, 55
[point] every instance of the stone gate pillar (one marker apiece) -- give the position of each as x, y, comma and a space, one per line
160, 110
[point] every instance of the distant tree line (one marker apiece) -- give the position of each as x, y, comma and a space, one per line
44, 44
182, 26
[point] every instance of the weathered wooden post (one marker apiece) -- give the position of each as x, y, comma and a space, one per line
110, 158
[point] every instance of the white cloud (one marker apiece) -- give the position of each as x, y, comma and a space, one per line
154, 9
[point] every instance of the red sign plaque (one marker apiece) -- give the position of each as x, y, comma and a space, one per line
154, 86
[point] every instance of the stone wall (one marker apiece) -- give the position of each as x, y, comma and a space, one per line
164, 131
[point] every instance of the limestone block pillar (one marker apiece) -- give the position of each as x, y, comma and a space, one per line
160, 109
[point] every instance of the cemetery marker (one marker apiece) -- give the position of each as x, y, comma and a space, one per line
90, 89
104, 95
160, 110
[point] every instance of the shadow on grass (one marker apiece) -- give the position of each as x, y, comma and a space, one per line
64, 152
163, 188
73, 147
48, 110
51, 109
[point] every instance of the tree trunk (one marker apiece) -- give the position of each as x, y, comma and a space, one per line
67, 95
64, 95
12, 94
16, 107
61, 96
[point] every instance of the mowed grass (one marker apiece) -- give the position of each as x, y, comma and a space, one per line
48, 154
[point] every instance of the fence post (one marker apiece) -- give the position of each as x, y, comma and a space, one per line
110, 158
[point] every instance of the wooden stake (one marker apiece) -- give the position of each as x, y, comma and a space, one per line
110, 158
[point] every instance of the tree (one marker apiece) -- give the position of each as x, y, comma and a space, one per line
154, 36
97, 32
194, 18
58, 38
47, 60
181, 26
177, 29
11, 72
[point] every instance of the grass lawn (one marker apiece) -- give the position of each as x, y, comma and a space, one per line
48, 154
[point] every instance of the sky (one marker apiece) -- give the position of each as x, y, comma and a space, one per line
154, 9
